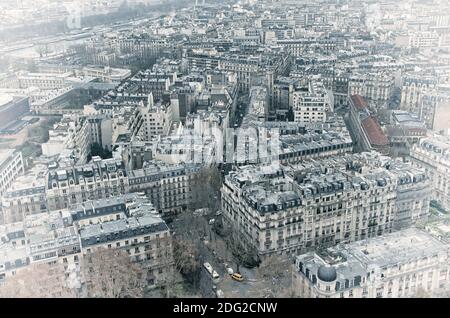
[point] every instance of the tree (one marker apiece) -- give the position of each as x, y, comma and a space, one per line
110, 273
205, 189
97, 150
188, 248
275, 277
38, 280
182, 262
243, 254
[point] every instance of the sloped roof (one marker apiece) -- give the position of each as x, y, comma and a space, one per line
359, 102
374, 133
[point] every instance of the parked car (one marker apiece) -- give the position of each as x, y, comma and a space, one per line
237, 276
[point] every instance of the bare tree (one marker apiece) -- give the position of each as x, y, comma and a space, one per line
183, 262
190, 227
110, 273
242, 252
188, 248
275, 277
38, 280
185, 257
205, 189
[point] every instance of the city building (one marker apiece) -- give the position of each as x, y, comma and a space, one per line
11, 166
311, 103
293, 208
146, 239
401, 264
433, 155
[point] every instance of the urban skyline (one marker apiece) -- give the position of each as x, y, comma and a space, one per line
225, 149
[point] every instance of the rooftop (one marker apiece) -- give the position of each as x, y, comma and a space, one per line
374, 132
359, 102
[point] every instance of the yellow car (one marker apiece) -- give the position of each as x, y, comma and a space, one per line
238, 277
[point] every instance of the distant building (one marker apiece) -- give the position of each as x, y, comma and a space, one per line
45, 80
107, 74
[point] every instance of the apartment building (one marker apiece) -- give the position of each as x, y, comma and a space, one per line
424, 39
433, 155
146, 239
13, 253
73, 185
291, 208
25, 196
45, 80
413, 194
246, 68
311, 103
297, 47
282, 94
100, 128
11, 166
201, 59
287, 217
167, 186
434, 108
129, 222
51, 238
374, 87
107, 74
259, 103
413, 88
156, 119
406, 263
44, 238
69, 140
